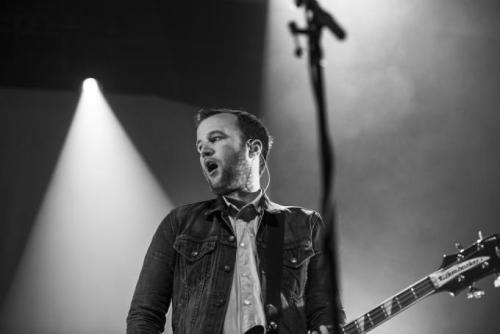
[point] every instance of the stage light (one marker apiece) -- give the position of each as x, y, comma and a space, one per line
90, 236
90, 85
357, 104
399, 104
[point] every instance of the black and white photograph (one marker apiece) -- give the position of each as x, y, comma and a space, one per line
250, 167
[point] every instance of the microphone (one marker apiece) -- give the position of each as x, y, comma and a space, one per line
323, 17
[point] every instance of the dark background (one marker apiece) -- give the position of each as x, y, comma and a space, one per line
413, 97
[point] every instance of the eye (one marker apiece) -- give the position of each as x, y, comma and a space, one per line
215, 138
212, 139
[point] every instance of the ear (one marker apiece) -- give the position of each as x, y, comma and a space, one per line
255, 147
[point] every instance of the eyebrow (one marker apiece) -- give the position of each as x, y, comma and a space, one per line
211, 133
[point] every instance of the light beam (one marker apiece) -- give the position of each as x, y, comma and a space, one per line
84, 254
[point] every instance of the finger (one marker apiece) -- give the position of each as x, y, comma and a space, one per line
323, 329
314, 332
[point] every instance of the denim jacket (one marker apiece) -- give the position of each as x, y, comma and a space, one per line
190, 264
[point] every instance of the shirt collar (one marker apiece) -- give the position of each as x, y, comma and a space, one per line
256, 202
220, 205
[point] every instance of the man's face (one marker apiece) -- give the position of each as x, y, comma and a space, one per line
223, 157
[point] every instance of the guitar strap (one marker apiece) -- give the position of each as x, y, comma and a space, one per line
273, 267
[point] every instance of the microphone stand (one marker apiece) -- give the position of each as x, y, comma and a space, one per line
317, 18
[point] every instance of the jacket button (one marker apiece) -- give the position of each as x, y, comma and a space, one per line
231, 238
293, 260
194, 253
227, 268
220, 302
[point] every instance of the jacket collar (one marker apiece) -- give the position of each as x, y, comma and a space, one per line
219, 205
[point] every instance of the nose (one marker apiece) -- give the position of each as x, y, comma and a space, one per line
206, 150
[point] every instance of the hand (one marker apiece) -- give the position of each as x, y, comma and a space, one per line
322, 330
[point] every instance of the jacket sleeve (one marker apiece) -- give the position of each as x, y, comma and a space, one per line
153, 291
318, 288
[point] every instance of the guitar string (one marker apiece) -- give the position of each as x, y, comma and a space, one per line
405, 298
420, 289
377, 316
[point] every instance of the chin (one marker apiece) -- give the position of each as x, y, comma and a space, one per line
220, 190
217, 189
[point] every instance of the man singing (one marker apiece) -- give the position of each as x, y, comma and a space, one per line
212, 260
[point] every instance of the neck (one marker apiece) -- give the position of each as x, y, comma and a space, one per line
251, 188
245, 196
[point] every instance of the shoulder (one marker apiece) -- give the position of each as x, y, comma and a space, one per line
191, 208
302, 225
185, 215
293, 210
191, 211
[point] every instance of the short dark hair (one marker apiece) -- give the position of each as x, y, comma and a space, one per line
250, 126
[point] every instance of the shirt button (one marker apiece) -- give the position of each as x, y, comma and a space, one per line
227, 268
242, 244
194, 253
293, 260
246, 302
231, 238
245, 274
273, 326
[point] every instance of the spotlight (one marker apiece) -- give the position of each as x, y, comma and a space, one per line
100, 184
90, 85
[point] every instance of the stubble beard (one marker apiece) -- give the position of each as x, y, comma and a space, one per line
234, 176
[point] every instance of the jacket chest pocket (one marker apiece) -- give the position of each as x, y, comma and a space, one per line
296, 258
196, 257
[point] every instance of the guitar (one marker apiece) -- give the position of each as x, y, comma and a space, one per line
457, 272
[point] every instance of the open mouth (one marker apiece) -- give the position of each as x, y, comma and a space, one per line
210, 166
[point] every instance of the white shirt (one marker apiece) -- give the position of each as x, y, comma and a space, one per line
245, 307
